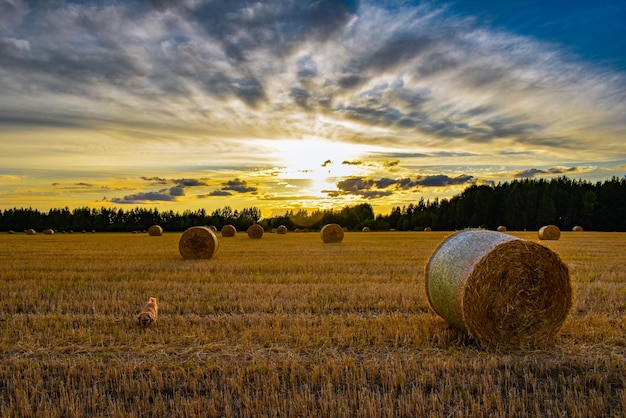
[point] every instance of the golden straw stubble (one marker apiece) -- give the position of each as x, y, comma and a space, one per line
255, 231
332, 233
505, 292
198, 242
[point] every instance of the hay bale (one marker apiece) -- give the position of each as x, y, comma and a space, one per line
505, 292
332, 233
549, 232
577, 228
255, 231
48, 231
228, 231
155, 231
198, 242
213, 228
281, 230
30, 232
366, 229
428, 229
501, 228
11, 232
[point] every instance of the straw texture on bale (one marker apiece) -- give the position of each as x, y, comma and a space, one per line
549, 232
577, 228
502, 228
255, 231
155, 231
30, 232
366, 229
428, 229
198, 242
228, 231
282, 229
505, 292
48, 231
332, 233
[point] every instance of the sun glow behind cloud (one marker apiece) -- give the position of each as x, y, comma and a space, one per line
377, 102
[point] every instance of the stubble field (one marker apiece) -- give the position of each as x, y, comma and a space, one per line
287, 326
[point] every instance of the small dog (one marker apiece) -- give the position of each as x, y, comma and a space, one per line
148, 314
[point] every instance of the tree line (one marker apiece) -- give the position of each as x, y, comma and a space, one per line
518, 205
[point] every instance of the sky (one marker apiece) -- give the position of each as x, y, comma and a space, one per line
303, 104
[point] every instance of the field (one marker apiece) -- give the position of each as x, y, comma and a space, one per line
287, 326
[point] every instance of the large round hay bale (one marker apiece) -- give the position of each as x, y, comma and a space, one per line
198, 242
577, 228
213, 228
332, 233
501, 228
155, 231
228, 231
366, 229
549, 232
505, 292
48, 231
255, 231
282, 229
30, 232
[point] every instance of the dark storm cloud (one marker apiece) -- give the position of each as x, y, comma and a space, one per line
443, 180
157, 180
532, 172
386, 186
145, 197
189, 182
239, 186
220, 193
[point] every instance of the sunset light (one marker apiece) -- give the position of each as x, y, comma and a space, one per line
289, 104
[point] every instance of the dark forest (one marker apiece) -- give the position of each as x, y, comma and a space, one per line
518, 205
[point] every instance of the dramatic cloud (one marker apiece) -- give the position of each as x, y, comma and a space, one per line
145, 198
408, 96
238, 186
532, 172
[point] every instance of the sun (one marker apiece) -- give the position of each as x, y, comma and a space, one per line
320, 161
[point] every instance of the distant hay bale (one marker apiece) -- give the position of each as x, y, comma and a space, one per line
281, 230
428, 229
48, 231
297, 230
10, 232
155, 231
198, 242
345, 229
549, 232
30, 232
332, 233
255, 231
366, 229
505, 292
577, 228
228, 231
213, 228
502, 228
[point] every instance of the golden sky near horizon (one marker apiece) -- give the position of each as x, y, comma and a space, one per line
287, 105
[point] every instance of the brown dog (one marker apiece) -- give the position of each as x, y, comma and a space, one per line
148, 315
